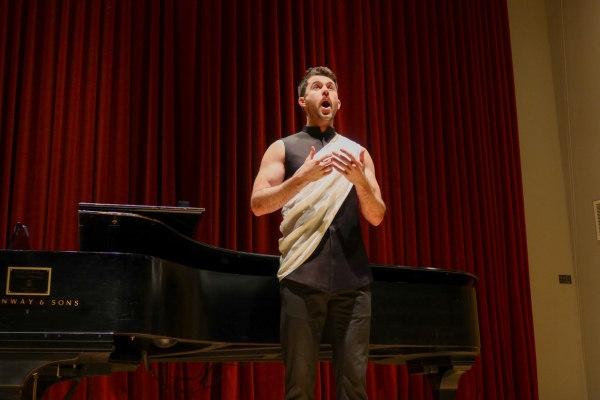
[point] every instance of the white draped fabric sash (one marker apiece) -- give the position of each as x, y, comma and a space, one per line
308, 215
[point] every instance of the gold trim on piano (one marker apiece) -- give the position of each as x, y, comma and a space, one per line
29, 278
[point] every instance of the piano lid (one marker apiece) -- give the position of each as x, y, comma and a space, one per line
182, 219
131, 232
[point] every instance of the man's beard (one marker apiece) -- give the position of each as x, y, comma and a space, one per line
316, 115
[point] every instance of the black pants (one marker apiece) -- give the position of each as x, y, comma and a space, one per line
304, 312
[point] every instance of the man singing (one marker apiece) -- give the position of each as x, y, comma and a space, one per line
321, 180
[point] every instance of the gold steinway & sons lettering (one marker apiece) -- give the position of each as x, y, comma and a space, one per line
12, 301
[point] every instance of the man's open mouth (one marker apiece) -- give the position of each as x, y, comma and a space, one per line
326, 104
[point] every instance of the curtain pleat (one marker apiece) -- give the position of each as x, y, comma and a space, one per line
157, 101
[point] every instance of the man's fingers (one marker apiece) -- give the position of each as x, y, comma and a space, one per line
338, 158
339, 165
339, 169
311, 155
346, 157
324, 158
342, 161
349, 155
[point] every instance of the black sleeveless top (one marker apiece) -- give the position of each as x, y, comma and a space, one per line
340, 261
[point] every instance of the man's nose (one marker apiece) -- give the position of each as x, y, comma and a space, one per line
325, 92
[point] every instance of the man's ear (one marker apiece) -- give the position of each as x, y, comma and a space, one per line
339, 104
302, 102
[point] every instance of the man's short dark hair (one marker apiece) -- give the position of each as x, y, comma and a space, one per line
321, 71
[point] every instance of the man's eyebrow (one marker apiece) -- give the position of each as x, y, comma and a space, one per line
327, 83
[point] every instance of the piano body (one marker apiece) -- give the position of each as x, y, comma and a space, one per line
142, 291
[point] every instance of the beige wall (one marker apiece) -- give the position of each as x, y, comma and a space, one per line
575, 29
548, 197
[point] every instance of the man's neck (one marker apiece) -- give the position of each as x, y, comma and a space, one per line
322, 126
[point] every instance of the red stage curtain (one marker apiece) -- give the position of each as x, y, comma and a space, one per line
154, 101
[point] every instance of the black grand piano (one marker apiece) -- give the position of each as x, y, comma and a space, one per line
141, 290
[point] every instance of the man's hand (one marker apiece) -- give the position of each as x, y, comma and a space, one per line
313, 168
270, 192
347, 165
361, 173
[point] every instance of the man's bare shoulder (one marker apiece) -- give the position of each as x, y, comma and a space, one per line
272, 168
276, 151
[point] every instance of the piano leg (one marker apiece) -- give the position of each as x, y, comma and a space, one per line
48, 376
32, 361
76, 382
14, 374
442, 373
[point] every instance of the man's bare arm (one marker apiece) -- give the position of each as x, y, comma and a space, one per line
361, 173
271, 192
